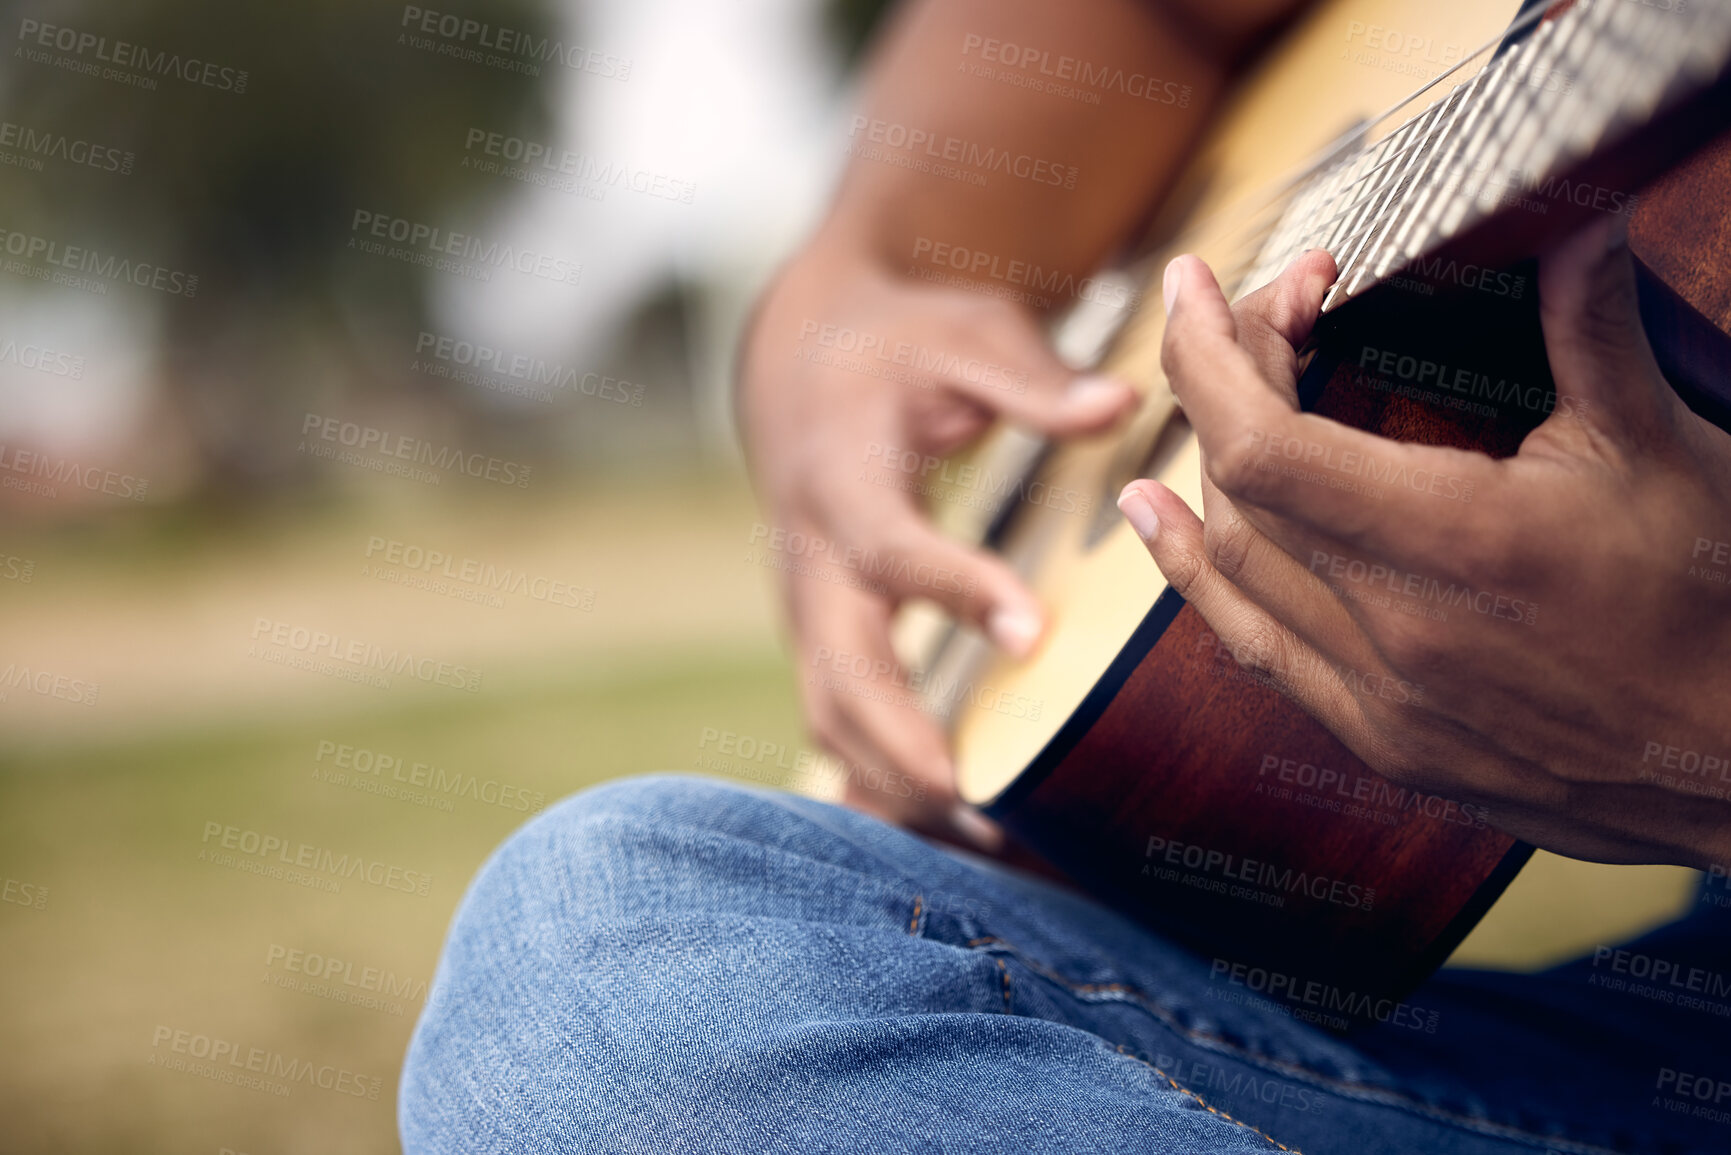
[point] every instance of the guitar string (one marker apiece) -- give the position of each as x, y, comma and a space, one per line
1327, 202
1510, 79
1455, 214
1409, 240
1526, 105
1396, 183
1436, 175
1500, 93
1272, 196
1620, 37
1359, 187
1455, 167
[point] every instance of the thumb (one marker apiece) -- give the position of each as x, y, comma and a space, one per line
1604, 369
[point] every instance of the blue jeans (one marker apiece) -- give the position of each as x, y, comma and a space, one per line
682, 965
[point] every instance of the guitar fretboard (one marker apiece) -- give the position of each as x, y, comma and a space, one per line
1502, 140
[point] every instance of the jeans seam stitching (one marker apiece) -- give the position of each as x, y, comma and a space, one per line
1203, 1103
1357, 1090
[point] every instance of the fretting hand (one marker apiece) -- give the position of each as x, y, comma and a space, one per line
1577, 677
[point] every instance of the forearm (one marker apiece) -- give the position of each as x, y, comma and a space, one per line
1029, 131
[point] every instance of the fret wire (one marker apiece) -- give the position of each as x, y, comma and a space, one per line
1412, 192
1613, 57
1469, 145
1599, 53
1344, 234
1413, 188
1524, 21
1494, 73
1367, 172
1436, 189
1539, 136
1393, 200
1496, 94
1286, 237
1495, 143
1297, 225
1343, 198
1491, 92
1363, 223
1281, 238
1326, 232
1488, 146
1362, 192
1338, 188
1620, 66
1512, 118
1490, 135
1499, 92
1663, 37
1521, 113
1339, 153
1580, 39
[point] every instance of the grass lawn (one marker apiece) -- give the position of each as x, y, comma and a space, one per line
137, 934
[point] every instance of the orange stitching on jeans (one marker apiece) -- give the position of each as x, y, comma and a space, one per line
1153, 1007
914, 923
1122, 1050
1176, 1086
1089, 987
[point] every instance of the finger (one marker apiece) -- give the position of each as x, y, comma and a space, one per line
1005, 363
1275, 320
895, 554
1258, 642
1296, 589
860, 705
1604, 368
1385, 498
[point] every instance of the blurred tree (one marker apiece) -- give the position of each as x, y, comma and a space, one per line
255, 191
851, 24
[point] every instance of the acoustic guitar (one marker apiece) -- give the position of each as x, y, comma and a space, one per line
1144, 762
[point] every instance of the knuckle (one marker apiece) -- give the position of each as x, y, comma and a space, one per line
1229, 541
1401, 767
1262, 317
1261, 648
1412, 645
1234, 473
1185, 571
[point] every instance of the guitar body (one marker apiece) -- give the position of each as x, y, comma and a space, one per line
1143, 761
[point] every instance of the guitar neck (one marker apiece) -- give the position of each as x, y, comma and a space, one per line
1564, 118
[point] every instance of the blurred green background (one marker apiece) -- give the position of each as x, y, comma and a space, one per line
137, 933
122, 922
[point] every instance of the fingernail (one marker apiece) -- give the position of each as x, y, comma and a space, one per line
1014, 630
976, 828
1094, 391
1139, 512
1170, 282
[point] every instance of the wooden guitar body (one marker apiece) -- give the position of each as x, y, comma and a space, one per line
1142, 760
